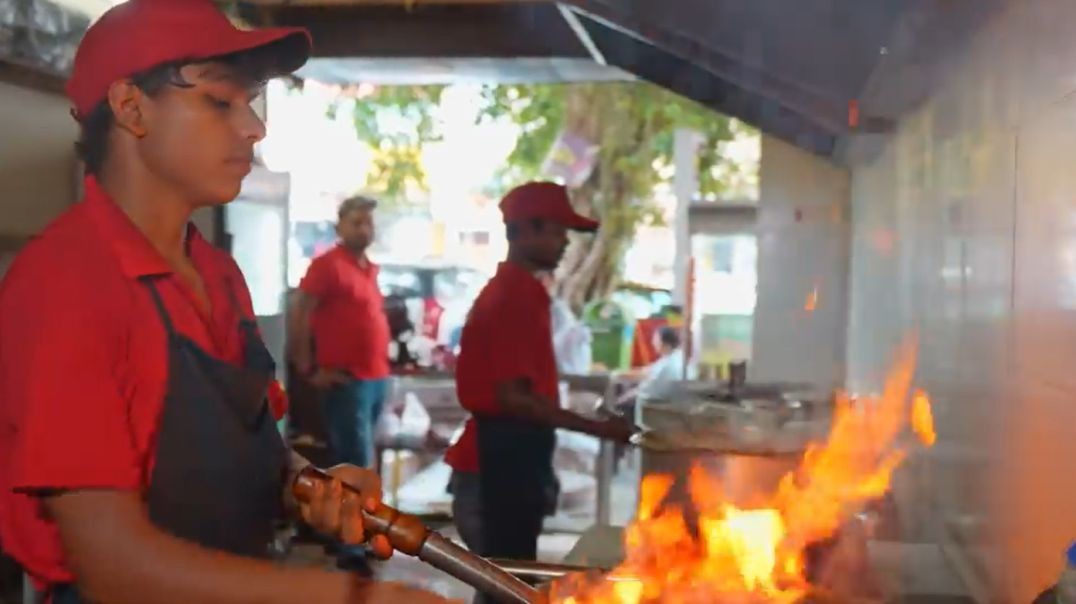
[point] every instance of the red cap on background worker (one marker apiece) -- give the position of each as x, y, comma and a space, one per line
140, 460
503, 482
546, 201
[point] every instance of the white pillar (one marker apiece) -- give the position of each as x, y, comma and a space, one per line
685, 186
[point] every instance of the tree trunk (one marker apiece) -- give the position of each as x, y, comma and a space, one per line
611, 117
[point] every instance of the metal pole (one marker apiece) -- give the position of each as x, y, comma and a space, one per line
605, 467
605, 474
685, 185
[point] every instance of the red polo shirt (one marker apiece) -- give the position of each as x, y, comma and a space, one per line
351, 331
84, 363
508, 335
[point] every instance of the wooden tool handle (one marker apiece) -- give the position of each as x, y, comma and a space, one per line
405, 532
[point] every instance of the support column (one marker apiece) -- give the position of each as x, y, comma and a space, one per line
685, 186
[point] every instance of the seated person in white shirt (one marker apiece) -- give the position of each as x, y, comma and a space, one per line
659, 376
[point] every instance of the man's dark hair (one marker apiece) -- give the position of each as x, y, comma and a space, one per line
356, 202
93, 138
511, 229
254, 66
670, 336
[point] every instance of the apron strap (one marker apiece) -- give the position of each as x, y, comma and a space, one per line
247, 324
256, 352
161, 310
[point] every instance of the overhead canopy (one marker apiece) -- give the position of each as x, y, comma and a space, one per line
795, 69
811, 72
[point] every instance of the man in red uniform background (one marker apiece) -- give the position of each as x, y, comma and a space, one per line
139, 457
503, 483
340, 341
340, 334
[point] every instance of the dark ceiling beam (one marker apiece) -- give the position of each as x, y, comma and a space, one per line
827, 113
512, 30
690, 80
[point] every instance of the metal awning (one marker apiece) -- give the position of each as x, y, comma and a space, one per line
794, 69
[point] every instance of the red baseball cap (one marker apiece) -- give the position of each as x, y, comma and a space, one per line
141, 34
545, 200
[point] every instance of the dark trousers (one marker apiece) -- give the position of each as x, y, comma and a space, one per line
351, 411
467, 509
494, 527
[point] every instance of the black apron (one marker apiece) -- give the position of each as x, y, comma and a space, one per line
218, 479
517, 484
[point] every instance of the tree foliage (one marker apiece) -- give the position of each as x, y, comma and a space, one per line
632, 124
396, 121
541, 112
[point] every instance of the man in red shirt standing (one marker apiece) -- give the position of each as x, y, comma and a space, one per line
139, 456
503, 483
340, 334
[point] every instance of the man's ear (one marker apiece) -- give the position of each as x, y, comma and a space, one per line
126, 101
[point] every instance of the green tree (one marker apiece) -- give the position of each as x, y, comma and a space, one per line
631, 124
396, 121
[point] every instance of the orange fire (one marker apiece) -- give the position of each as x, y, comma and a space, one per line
923, 418
811, 304
758, 555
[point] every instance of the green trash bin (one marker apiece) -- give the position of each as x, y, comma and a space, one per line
611, 327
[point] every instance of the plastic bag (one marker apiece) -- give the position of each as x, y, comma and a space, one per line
407, 426
415, 420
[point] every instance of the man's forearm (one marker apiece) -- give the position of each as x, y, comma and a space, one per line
562, 418
299, 336
301, 354
535, 408
120, 557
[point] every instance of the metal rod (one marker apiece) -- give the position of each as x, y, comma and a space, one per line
529, 569
477, 572
606, 465
581, 33
544, 571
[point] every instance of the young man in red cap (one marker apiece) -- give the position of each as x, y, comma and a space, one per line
503, 483
139, 459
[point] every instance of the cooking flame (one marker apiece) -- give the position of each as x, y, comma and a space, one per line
923, 419
811, 304
758, 554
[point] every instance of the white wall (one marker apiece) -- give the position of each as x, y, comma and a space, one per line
37, 159
965, 229
802, 230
